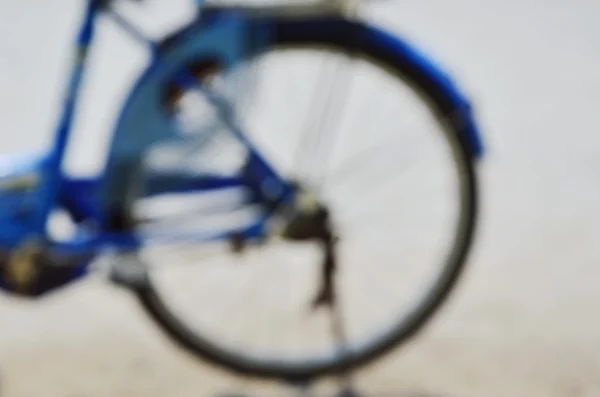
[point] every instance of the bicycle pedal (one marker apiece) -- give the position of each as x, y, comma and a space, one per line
237, 243
129, 273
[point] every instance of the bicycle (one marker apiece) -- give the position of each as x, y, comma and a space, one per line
103, 208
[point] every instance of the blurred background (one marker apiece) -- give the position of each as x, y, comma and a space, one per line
522, 322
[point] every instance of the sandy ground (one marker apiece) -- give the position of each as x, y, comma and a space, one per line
524, 320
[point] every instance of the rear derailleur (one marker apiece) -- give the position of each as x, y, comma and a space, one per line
315, 224
307, 220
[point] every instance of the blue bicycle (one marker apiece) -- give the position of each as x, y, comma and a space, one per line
185, 150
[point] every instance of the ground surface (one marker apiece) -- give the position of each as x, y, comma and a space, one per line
524, 321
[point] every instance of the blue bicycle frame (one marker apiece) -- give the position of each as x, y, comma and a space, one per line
80, 197
31, 189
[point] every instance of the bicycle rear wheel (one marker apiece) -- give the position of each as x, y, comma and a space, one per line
444, 242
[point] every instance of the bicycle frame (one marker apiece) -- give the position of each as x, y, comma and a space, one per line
40, 186
78, 196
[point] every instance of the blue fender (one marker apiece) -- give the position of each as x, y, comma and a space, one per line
453, 104
457, 106
143, 123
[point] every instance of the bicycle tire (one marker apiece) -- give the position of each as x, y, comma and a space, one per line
341, 34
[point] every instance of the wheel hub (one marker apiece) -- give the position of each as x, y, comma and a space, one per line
312, 221
309, 220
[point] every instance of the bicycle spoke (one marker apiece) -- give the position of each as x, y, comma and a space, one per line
308, 135
313, 140
359, 162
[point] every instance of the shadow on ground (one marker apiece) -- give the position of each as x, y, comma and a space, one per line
340, 393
